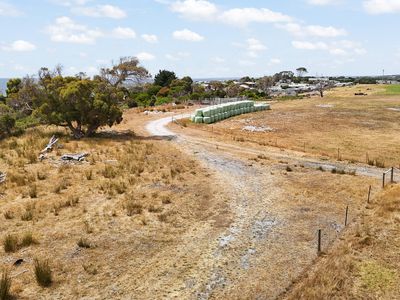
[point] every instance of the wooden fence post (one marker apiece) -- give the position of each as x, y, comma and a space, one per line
392, 175
319, 240
383, 180
369, 194
345, 219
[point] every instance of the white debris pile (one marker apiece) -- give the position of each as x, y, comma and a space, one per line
2, 177
152, 112
257, 129
325, 105
394, 108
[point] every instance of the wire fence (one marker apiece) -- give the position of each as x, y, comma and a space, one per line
390, 176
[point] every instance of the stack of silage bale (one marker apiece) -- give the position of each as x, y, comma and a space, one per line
215, 113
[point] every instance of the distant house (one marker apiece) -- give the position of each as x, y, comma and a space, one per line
387, 82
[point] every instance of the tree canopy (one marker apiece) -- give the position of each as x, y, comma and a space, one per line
127, 69
82, 105
164, 78
301, 71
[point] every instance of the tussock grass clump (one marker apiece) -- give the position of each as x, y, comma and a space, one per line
89, 174
41, 176
8, 215
90, 269
5, 286
29, 212
62, 185
17, 178
43, 273
72, 201
166, 200
109, 172
33, 191
31, 157
10, 243
133, 208
84, 243
28, 239
154, 209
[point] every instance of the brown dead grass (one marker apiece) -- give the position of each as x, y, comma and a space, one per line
365, 263
94, 201
361, 127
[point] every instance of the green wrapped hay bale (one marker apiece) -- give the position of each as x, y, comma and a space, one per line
198, 113
207, 120
212, 119
206, 113
198, 120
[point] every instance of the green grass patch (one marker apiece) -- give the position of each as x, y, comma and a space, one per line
393, 89
375, 277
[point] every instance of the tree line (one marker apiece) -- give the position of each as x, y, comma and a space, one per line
80, 103
84, 104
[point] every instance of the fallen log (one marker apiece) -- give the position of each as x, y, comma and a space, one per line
75, 157
50, 145
2, 177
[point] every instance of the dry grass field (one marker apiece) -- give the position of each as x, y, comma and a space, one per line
94, 220
146, 218
365, 264
363, 128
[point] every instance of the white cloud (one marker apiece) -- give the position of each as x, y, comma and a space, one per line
338, 48
105, 11
275, 61
304, 45
19, 46
178, 56
313, 30
124, 33
8, 10
150, 38
245, 16
145, 56
66, 30
382, 6
187, 35
254, 46
323, 2
195, 9
71, 2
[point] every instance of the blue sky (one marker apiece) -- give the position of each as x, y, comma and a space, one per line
199, 38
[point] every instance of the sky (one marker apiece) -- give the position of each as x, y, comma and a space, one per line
202, 38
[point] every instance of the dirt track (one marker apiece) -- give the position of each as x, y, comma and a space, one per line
270, 239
